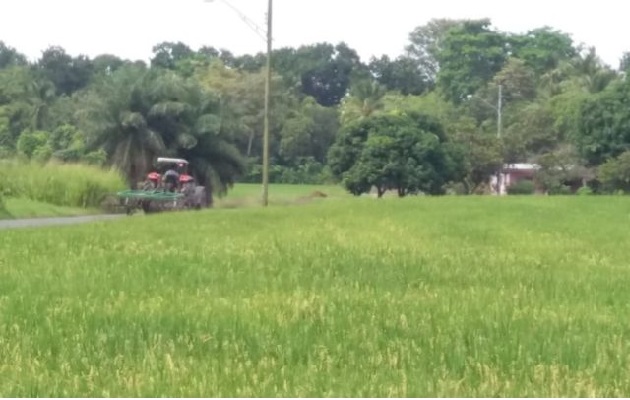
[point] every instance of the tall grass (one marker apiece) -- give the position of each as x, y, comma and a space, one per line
72, 185
2, 205
449, 297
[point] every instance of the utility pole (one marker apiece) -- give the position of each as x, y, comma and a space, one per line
499, 108
269, 38
499, 128
265, 177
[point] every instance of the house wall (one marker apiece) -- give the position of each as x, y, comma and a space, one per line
509, 177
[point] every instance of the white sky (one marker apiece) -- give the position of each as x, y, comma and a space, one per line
130, 28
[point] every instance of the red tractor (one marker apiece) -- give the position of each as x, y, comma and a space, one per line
170, 174
168, 187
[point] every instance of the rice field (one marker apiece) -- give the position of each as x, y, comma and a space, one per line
250, 194
343, 297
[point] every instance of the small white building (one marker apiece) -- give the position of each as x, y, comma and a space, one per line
511, 174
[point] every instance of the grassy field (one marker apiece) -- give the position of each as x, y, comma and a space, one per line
456, 296
242, 195
249, 194
24, 208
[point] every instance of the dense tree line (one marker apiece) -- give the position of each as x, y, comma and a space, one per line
425, 122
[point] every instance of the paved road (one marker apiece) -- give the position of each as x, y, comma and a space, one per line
39, 222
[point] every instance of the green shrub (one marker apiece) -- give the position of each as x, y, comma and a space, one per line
29, 142
560, 190
72, 185
306, 171
456, 189
521, 188
615, 174
585, 191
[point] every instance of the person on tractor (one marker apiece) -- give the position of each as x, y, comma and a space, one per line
171, 179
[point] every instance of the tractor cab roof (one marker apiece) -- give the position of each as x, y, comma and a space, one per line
165, 160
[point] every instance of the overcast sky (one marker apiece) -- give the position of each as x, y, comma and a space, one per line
130, 28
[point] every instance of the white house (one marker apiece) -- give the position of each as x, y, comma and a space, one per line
511, 174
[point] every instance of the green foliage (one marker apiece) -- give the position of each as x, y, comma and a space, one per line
560, 190
169, 54
518, 81
522, 187
242, 105
322, 71
585, 191
304, 171
560, 170
141, 114
470, 55
406, 153
60, 184
615, 173
604, 124
543, 49
207, 105
530, 132
426, 42
10, 56
98, 157
31, 142
404, 75
67, 74
308, 132
366, 98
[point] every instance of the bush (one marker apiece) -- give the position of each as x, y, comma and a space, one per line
585, 191
560, 190
29, 142
615, 174
523, 187
456, 189
72, 185
306, 171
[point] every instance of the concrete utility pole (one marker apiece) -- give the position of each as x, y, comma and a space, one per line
266, 35
499, 129
499, 109
265, 196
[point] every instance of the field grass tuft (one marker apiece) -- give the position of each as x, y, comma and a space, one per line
438, 297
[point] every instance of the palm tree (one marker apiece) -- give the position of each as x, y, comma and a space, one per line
138, 115
113, 118
189, 120
366, 98
212, 153
585, 73
42, 94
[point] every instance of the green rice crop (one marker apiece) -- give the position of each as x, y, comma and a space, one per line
250, 194
439, 297
72, 185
